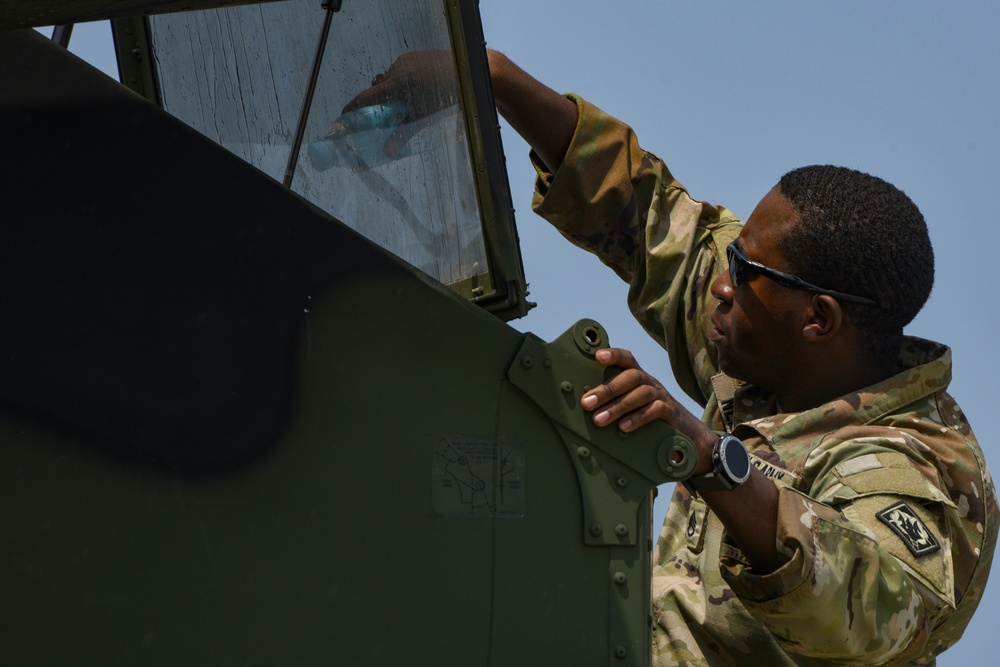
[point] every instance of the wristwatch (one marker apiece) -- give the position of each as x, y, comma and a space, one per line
730, 467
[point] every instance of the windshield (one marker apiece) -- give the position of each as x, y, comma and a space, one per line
240, 76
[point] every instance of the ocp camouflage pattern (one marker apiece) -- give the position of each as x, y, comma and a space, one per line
887, 514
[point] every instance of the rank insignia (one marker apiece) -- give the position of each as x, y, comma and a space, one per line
905, 523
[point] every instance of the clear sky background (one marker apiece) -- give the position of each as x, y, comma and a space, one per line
732, 94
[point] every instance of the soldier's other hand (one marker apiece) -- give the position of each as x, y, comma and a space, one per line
425, 80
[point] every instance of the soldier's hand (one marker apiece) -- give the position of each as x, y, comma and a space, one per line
634, 398
424, 80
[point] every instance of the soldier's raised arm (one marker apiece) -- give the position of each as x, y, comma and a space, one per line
543, 117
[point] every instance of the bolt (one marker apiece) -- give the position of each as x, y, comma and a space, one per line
621, 530
527, 362
567, 387
621, 482
547, 363
596, 530
622, 434
621, 652
583, 452
619, 578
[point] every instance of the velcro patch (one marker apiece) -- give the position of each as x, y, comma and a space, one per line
904, 522
858, 465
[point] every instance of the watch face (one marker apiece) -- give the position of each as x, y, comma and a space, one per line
735, 458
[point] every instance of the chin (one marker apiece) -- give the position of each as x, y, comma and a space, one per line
732, 370
724, 365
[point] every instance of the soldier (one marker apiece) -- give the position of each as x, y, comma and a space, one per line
841, 511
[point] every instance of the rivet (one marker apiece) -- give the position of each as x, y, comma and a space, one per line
619, 578
583, 452
621, 652
595, 529
527, 362
567, 387
621, 482
621, 530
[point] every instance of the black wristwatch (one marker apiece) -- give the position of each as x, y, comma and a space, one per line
730, 467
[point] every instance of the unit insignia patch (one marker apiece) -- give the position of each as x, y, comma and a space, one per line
905, 523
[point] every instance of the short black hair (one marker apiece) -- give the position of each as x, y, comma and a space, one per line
864, 236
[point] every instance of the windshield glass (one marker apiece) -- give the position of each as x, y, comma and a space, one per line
240, 76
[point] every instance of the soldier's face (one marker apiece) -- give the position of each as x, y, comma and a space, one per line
757, 325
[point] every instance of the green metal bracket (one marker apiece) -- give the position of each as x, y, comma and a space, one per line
629, 607
616, 471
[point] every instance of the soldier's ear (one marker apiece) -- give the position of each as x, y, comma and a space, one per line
824, 321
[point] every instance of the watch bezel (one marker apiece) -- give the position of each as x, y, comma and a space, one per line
728, 444
722, 477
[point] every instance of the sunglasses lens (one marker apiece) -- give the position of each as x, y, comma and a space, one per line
737, 269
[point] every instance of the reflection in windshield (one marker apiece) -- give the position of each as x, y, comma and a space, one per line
239, 75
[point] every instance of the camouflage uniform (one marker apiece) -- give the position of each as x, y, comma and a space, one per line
887, 514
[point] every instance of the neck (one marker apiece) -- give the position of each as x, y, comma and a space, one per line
833, 380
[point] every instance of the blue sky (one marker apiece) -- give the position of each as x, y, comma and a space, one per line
732, 94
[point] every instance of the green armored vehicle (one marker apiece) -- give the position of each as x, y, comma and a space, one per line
262, 408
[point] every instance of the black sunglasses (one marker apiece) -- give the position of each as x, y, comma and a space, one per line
741, 267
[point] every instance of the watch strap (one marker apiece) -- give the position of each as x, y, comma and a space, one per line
711, 481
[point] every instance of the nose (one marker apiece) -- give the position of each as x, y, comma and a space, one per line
722, 287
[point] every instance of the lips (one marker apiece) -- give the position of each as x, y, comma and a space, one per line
716, 333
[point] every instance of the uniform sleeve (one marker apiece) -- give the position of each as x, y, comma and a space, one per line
870, 567
621, 203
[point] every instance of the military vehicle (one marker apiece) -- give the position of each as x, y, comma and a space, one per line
262, 410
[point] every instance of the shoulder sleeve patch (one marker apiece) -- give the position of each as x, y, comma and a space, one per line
915, 532
904, 522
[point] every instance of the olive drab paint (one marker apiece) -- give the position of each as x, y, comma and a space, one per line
235, 431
